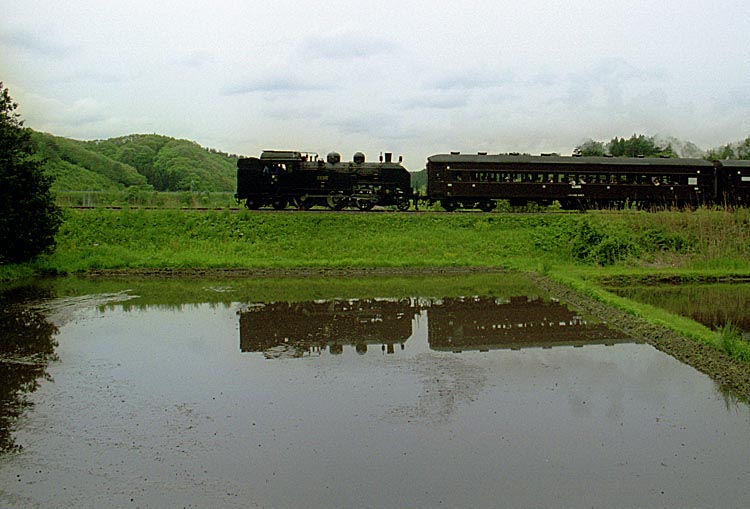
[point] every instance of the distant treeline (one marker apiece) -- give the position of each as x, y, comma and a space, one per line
639, 145
148, 161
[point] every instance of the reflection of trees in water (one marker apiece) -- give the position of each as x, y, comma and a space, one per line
711, 305
27, 345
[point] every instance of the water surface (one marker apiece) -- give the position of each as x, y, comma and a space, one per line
486, 398
712, 304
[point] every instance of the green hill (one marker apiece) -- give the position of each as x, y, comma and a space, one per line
148, 161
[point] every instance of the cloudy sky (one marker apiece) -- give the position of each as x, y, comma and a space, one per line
410, 77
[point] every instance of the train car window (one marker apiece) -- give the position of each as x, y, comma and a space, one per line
692, 181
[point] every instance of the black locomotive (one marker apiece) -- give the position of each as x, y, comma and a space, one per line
279, 178
479, 180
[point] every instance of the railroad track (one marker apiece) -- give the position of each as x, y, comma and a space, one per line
376, 210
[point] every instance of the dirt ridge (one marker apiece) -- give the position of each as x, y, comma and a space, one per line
730, 374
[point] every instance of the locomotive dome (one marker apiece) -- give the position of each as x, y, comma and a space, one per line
358, 157
333, 157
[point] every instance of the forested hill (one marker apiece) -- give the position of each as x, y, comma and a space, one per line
149, 161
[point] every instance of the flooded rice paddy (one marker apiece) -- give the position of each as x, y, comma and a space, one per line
712, 304
471, 391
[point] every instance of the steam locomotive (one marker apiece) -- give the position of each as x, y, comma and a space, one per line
471, 181
279, 178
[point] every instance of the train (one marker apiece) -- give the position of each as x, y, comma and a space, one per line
481, 180
281, 177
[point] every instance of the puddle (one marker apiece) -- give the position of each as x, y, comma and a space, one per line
406, 393
713, 305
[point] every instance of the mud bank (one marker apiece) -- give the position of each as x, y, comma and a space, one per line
729, 373
292, 273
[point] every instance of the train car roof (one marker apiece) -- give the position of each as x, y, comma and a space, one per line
735, 163
566, 160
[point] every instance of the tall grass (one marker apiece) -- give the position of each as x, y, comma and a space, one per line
730, 340
598, 242
135, 197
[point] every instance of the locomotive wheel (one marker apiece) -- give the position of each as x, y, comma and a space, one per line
363, 204
449, 205
487, 205
304, 202
337, 201
279, 203
253, 203
403, 204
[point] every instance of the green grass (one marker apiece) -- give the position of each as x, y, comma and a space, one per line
97, 239
591, 245
730, 340
134, 197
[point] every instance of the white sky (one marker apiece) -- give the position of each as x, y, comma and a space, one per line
410, 77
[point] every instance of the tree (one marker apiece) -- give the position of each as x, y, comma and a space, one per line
721, 153
29, 218
589, 148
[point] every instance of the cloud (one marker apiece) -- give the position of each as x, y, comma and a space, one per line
194, 59
473, 79
346, 46
611, 80
36, 43
431, 100
273, 84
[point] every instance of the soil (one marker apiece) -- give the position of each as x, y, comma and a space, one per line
730, 374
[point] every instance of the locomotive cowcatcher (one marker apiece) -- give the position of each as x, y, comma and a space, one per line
279, 178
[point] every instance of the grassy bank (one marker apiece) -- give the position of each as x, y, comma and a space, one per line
595, 243
591, 245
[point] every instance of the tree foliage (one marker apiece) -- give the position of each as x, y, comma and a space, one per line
169, 164
146, 161
29, 218
590, 148
637, 145
739, 150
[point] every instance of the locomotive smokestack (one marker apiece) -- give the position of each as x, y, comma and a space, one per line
388, 157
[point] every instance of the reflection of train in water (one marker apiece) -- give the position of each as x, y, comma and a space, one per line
467, 181
295, 329
455, 324
484, 324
